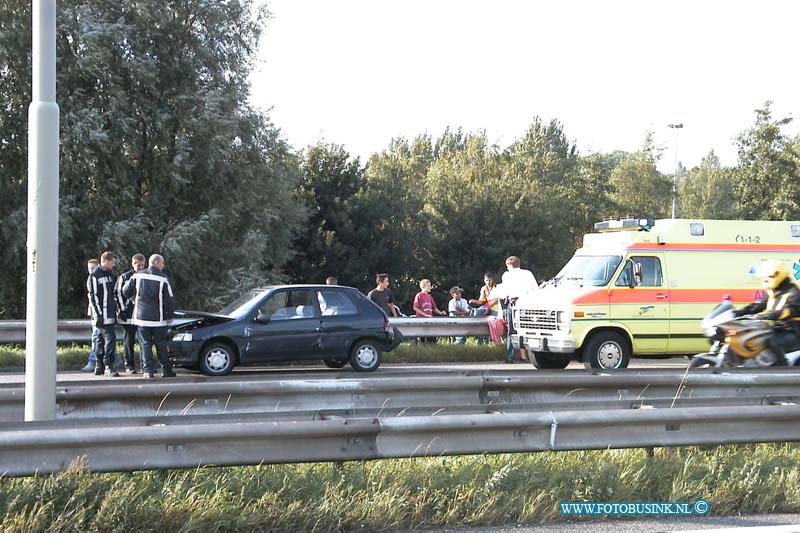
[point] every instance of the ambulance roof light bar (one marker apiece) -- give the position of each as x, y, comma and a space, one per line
625, 224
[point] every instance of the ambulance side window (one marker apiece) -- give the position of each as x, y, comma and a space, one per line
650, 268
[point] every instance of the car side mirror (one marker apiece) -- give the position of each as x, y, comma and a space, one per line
637, 273
631, 271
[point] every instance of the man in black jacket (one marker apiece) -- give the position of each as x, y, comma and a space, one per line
100, 289
125, 312
781, 303
152, 308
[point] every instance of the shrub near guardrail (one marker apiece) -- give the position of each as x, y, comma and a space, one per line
74, 356
68, 357
443, 492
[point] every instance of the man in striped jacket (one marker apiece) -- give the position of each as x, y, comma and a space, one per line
125, 312
152, 308
100, 289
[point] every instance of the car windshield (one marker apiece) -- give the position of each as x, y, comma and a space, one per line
594, 270
243, 304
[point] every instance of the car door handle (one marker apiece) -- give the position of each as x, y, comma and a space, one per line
661, 296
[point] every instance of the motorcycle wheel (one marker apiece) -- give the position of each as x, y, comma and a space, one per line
699, 362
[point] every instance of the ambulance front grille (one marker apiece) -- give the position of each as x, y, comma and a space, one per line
536, 319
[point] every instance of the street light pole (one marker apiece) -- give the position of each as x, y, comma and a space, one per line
42, 281
677, 128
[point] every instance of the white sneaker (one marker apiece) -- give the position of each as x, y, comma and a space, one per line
110, 373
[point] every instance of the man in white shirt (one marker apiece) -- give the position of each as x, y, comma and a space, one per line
516, 282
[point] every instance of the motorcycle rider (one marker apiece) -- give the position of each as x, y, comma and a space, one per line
780, 303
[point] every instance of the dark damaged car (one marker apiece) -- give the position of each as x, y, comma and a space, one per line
335, 324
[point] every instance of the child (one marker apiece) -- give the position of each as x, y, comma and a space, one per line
458, 306
424, 304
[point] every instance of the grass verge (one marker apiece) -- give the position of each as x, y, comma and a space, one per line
444, 351
69, 357
444, 492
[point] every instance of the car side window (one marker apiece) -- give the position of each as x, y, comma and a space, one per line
335, 303
649, 268
288, 305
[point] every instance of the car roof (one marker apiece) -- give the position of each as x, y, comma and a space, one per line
304, 286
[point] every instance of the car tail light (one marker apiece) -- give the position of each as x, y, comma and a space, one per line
386, 326
730, 333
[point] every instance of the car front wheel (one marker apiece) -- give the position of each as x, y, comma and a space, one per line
365, 356
217, 359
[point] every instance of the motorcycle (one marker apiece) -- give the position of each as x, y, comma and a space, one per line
737, 341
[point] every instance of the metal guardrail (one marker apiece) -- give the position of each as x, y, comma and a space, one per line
13, 331
417, 391
178, 442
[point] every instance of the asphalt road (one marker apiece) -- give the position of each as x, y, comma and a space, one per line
678, 363
772, 523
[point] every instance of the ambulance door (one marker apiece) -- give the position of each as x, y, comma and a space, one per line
640, 300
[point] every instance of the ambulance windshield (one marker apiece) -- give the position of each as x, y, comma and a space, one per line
593, 270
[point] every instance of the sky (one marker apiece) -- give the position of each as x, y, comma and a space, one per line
361, 72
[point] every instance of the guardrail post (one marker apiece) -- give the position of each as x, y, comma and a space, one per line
42, 281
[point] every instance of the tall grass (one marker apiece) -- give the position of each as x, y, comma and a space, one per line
444, 351
400, 494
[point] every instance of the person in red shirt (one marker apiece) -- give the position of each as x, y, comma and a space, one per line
424, 304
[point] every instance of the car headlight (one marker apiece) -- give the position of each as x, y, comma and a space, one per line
562, 321
182, 337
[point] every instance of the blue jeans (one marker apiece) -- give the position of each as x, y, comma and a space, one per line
105, 346
149, 337
128, 339
92, 353
480, 311
509, 320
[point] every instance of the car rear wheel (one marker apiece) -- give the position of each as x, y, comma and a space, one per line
334, 363
365, 356
606, 350
543, 360
217, 359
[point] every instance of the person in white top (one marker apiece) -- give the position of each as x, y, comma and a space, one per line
516, 282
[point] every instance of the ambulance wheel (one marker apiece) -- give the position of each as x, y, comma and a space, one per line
544, 360
606, 350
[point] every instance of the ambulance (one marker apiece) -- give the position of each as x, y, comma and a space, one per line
640, 287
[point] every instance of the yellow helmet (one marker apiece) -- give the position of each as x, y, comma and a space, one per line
773, 273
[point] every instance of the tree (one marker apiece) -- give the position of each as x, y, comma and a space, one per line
767, 173
708, 191
328, 245
160, 151
638, 187
393, 222
462, 206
